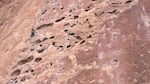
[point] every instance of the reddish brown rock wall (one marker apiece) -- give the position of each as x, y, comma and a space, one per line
74, 42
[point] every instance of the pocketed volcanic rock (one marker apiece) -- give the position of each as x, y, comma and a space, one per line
74, 42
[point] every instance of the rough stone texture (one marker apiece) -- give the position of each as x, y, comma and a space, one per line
74, 42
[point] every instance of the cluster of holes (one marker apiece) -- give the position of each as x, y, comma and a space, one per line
24, 78
17, 77
113, 5
88, 8
52, 37
16, 80
17, 72
13, 81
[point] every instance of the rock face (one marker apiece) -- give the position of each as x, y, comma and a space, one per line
74, 42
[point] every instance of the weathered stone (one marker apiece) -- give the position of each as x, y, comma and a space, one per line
74, 42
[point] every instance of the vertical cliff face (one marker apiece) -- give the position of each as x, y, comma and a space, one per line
74, 42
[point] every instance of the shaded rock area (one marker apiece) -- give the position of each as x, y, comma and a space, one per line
74, 42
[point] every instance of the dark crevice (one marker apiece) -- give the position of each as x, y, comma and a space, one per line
37, 41
71, 33
32, 49
72, 25
78, 37
24, 61
53, 43
90, 26
32, 33
89, 36
75, 17
51, 37
66, 24
40, 51
51, 63
65, 30
99, 14
61, 46
32, 71
13, 81
68, 46
115, 4
82, 42
45, 25
88, 8
38, 59
24, 78
62, 8
115, 61
16, 72
128, 1
44, 11
76, 42
27, 71
113, 11
40, 45
44, 39
58, 20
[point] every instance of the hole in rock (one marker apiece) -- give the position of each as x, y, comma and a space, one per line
24, 61
75, 17
45, 39
90, 26
38, 59
53, 43
45, 25
32, 49
16, 72
40, 51
32, 33
128, 1
72, 25
82, 41
61, 46
58, 20
65, 30
38, 41
78, 37
66, 24
13, 81
51, 63
89, 36
51, 37
40, 45
113, 11
115, 61
71, 33
24, 78
62, 8
68, 46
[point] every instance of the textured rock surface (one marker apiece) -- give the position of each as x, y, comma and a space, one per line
74, 42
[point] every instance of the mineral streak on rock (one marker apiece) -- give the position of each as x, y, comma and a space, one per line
74, 42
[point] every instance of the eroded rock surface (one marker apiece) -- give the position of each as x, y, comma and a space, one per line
74, 42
